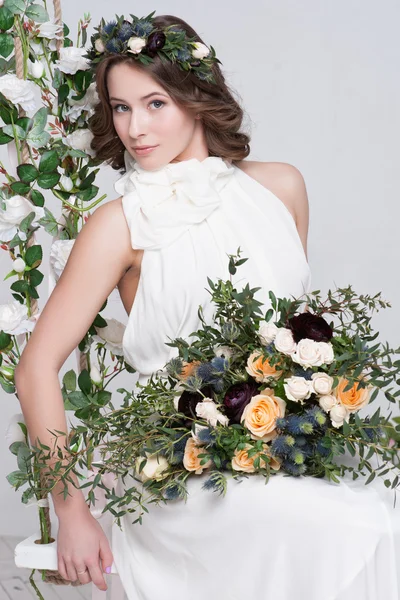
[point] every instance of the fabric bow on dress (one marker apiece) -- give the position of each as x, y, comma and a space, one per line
160, 205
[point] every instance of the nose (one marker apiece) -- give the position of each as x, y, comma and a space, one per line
138, 124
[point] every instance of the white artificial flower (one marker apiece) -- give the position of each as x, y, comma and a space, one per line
111, 336
136, 44
36, 47
59, 254
72, 60
80, 140
224, 351
207, 409
14, 432
19, 265
99, 45
327, 402
297, 389
17, 208
155, 468
322, 383
36, 69
200, 51
284, 341
87, 103
18, 91
66, 183
326, 351
267, 332
14, 318
95, 375
50, 30
307, 354
338, 414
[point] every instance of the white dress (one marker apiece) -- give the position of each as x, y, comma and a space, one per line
294, 538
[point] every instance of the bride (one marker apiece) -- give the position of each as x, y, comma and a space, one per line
187, 198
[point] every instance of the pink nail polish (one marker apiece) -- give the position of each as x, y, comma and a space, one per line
108, 569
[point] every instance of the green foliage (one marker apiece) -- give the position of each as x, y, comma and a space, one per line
37, 13
6, 44
6, 18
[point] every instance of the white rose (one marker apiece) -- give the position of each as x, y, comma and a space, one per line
80, 140
136, 44
18, 91
19, 265
50, 30
36, 69
322, 383
338, 415
284, 341
307, 354
154, 468
326, 351
14, 432
327, 402
59, 254
87, 103
66, 183
200, 51
297, 389
17, 208
99, 45
72, 60
111, 336
95, 375
267, 332
207, 409
14, 318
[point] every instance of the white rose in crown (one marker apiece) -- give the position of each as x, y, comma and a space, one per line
18, 91
136, 44
111, 336
59, 254
72, 60
338, 415
208, 410
297, 388
267, 332
80, 140
87, 103
14, 432
17, 208
155, 468
14, 318
327, 402
308, 354
322, 383
200, 50
284, 341
99, 45
50, 30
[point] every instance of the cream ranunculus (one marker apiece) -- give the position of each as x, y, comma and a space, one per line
255, 364
156, 468
260, 415
136, 44
87, 104
50, 30
200, 50
297, 389
321, 383
72, 60
339, 414
191, 460
17, 208
111, 336
284, 341
267, 332
208, 410
80, 140
59, 254
18, 91
327, 402
307, 354
326, 352
14, 432
14, 318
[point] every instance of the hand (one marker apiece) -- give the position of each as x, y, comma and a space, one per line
82, 543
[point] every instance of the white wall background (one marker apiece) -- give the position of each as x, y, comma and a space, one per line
319, 82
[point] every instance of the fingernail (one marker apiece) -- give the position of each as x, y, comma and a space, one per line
108, 569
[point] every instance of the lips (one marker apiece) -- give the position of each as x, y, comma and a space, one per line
143, 147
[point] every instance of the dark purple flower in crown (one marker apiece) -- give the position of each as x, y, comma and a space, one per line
308, 325
155, 42
237, 398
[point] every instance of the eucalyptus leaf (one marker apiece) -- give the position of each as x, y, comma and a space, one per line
6, 44
15, 6
13, 130
37, 13
49, 222
38, 140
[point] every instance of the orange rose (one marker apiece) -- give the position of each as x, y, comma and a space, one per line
191, 460
242, 462
188, 369
353, 399
260, 414
255, 364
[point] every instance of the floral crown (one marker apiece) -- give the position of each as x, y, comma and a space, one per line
143, 40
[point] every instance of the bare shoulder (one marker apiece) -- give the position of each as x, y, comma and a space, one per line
110, 216
286, 182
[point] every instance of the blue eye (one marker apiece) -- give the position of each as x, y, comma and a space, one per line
116, 107
159, 101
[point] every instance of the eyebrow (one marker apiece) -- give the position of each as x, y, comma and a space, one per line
144, 97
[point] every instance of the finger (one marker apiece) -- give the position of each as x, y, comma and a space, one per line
97, 576
83, 573
69, 565
106, 555
62, 569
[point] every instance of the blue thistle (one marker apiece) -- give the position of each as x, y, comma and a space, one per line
176, 458
306, 427
293, 425
206, 436
192, 383
109, 27
206, 372
317, 417
142, 28
230, 331
281, 423
184, 55
321, 449
114, 45
218, 385
174, 366
125, 32
180, 444
220, 364
297, 456
306, 373
270, 348
172, 492
292, 469
282, 445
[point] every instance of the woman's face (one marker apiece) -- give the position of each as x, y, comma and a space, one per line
145, 115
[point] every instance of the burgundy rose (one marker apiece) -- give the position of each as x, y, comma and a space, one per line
308, 325
237, 398
155, 41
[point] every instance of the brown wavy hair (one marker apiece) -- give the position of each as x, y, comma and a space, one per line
220, 113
